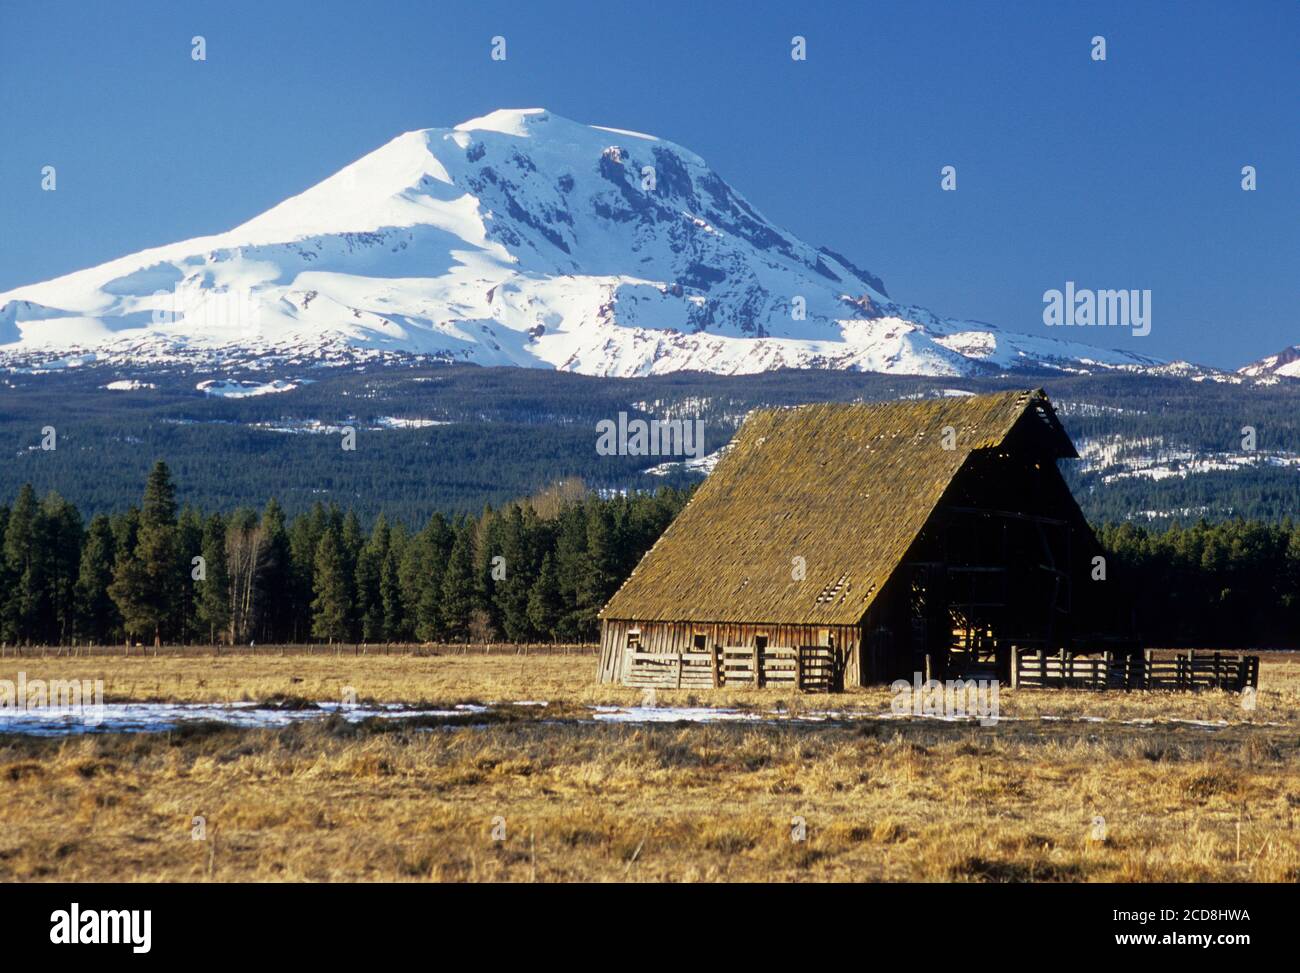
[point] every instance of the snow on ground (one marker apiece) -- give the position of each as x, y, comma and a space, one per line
703, 465
1183, 513
310, 427
317, 427
156, 717
128, 385
244, 390
1091, 410
938, 394
393, 422
153, 717
1117, 457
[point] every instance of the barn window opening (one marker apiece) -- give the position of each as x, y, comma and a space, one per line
634, 640
700, 643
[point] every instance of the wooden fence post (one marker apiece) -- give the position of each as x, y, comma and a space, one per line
717, 652
1015, 666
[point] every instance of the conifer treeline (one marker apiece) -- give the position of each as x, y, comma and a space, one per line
539, 570
1232, 584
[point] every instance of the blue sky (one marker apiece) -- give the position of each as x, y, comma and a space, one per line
1122, 174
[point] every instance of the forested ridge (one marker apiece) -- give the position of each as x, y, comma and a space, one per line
536, 569
478, 436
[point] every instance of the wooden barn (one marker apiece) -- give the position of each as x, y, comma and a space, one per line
858, 543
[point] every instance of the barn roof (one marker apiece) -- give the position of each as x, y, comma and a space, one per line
846, 487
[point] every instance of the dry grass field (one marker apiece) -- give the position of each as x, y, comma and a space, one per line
532, 793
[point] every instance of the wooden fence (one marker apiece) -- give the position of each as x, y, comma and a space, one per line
1184, 671
810, 668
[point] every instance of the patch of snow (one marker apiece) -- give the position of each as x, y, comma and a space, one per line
154, 717
310, 427
701, 465
1117, 457
244, 390
392, 422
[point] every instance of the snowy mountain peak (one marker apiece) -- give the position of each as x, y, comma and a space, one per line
1285, 364
518, 238
507, 121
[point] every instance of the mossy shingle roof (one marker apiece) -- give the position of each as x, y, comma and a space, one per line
845, 487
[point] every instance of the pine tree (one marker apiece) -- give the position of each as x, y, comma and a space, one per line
570, 569
331, 608
486, 535
369, 575
275, 576
159, 507
420, 573
57, 539
19, 599
598, 578
147, 584
97, 615
213, 602
397, 625
351, 542
189, 542
303, 538
126, 528
544, 603
458, 585
6, 576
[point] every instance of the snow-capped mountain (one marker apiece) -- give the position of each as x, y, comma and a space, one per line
1285, 364
519, 238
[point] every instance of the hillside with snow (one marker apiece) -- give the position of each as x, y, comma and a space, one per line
1285, 364
520, 238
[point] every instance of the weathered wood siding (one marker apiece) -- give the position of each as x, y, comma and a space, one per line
666, 637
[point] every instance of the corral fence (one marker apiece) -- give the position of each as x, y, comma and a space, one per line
809, 668
304, 648
1184, 671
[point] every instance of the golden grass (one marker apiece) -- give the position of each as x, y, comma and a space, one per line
897, 801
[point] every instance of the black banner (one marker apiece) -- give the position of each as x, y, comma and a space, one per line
152, 923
